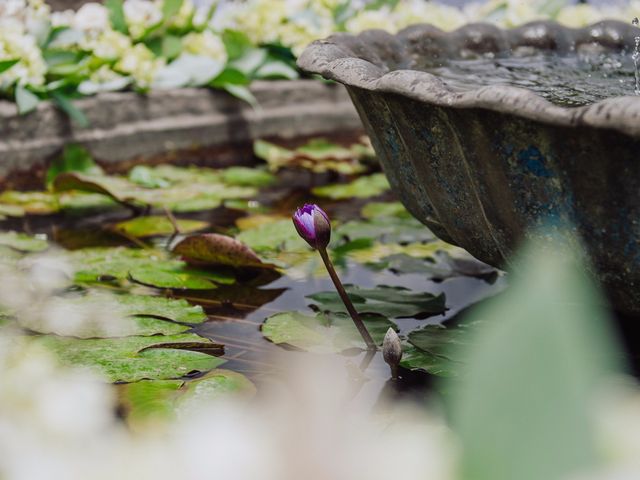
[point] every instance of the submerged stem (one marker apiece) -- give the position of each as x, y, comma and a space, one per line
371, 345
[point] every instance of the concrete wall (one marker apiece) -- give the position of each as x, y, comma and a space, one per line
128, 125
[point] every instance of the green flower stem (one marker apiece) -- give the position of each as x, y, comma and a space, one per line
371, 345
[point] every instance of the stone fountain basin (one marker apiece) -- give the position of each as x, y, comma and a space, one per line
483, 168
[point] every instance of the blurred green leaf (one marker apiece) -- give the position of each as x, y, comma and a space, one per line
74, 158
522, 408
362, 187
7, 64
116, 16
26, 100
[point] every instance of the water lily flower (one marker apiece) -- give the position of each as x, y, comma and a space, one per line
313, 225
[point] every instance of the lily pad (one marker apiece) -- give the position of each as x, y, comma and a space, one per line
439, 350
395, 302
318, 155
323, 333
130, 359
110, 264
363, 187
152, 401
82, 316
23, 242
175, 275
387, 230
151, 226
248, 177
215, 249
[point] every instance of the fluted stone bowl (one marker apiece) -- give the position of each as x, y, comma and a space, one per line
483, 167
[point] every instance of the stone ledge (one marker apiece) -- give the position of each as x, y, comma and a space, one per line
124, 125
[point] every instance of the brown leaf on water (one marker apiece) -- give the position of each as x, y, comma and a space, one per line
215, 249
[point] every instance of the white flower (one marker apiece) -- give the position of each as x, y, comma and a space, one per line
206, 44
141, 15
91, 16
368, 19
110, 45
141, 64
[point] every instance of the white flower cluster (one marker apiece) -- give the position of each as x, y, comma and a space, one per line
119, 59
21, 24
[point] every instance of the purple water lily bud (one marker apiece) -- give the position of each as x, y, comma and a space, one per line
313, 225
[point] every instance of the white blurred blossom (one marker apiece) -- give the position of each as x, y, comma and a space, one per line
141, 15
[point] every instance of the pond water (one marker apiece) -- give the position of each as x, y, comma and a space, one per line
571, 81
375, 245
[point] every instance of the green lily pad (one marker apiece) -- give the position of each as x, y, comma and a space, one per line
318, 155
363, 187
147, 177
23, 242
34, 203
157, 225
395, 302
387, 230
323, 333
175, 275
248, 177
373, 210
149, 401
439, 350
111, 264
108, 186
215, 249
130, 359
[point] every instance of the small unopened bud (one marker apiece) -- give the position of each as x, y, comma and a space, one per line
313, 225
392, 351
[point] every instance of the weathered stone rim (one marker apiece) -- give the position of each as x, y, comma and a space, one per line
376, 60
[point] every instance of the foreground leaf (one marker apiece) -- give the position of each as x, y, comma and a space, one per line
152, 401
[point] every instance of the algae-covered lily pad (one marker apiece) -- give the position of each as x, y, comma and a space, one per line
130, 359
23, 242
395, 302
109, 264
83, 316
323, 333
148, 401
215, 249
273, 235
157, 225
363, 187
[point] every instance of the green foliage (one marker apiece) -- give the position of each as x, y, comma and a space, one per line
116, 16
176, 276
74, 158
522, 408
7, 64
